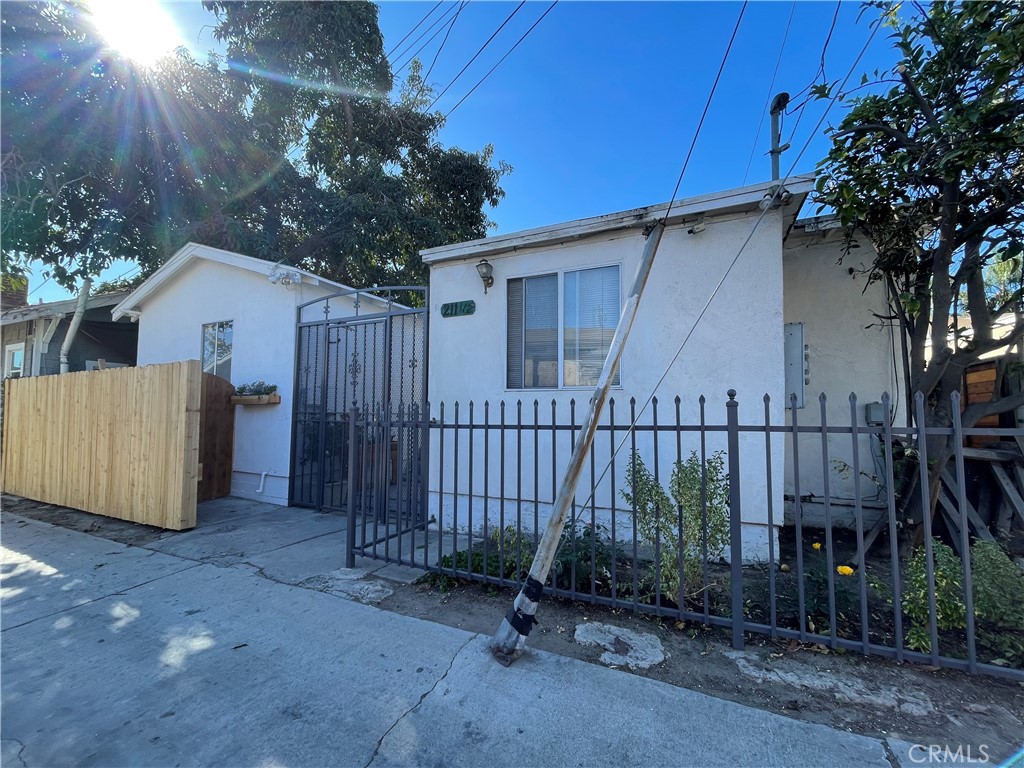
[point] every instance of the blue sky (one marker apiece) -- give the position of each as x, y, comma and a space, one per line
597, 106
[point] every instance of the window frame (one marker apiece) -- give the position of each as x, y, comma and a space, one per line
202, 343
560, 331
9, 350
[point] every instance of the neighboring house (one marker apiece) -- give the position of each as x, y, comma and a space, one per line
33, 335
788, 316
238, 315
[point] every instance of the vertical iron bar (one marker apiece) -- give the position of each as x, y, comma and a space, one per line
572, 512
705, 586
502, 557
469, 542
536, 469
894, 556
680, 542
632, 469
614, 542
519, 490
830, 563
858, 512
593, 522
455, 490
929, 554
440, 487
350, 531
487, 480
772, 601
657, 506
798, 514
961, 484
735, 521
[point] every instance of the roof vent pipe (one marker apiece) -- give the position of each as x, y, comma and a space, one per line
779, 104
76, 320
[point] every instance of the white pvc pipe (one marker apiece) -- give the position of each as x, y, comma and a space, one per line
65, 348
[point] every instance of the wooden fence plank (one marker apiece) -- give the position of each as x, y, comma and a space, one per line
121, 442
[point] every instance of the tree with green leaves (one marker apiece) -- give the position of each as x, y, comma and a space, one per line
930, 171
289, 147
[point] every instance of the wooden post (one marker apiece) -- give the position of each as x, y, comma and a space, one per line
510, 639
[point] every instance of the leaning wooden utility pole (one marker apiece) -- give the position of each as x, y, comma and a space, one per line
510, 639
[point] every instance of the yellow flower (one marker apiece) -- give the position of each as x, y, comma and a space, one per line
845, 570
816, 545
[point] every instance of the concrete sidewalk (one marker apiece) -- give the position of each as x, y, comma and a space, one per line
198, 649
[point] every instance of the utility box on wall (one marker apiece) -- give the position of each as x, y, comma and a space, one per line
796, 362
874, 414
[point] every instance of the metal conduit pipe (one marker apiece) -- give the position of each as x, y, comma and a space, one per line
76, 320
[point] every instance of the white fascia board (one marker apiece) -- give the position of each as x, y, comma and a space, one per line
703, 205
189, 252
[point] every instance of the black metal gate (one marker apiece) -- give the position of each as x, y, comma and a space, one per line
360, 390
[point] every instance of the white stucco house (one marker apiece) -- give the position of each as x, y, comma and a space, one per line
788, 315
238, 315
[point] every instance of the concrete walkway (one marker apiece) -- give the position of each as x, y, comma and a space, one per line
235, 645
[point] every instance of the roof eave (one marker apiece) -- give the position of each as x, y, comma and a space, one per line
719, 203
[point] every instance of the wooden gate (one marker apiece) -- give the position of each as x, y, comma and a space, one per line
124, 443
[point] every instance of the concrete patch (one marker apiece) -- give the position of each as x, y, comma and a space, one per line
843, 687
348, 583
623, 647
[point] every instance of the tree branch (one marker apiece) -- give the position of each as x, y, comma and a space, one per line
976, 412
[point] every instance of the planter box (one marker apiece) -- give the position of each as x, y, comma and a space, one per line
271, 399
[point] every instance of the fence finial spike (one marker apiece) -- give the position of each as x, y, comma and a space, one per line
732, 394
853, 398
767, 398
822, 398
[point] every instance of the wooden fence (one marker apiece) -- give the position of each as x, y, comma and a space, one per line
123, 443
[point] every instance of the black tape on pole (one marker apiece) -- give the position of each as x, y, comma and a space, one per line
533, 590
521, 622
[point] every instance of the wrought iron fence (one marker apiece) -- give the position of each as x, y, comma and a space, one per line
795, 523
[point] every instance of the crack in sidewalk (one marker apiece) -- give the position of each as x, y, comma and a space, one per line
20, 751
423, 696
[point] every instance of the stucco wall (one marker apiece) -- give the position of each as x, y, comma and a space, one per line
848, 351
737, 345
263, 347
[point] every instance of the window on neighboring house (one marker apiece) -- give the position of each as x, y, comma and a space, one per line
14, 361
217, 348
560, 328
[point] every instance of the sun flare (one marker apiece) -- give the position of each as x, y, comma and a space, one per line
141, 30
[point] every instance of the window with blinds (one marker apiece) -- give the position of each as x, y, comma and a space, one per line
533, 332
590, 313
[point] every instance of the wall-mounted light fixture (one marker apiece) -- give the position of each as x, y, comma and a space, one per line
486, 272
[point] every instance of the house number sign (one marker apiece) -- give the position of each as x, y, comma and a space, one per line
458, 308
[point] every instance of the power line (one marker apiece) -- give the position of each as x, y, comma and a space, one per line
707, 106
407, 34
425, 32
475, 55
441, 47
771, 87
480, 81
721, 282
819, 73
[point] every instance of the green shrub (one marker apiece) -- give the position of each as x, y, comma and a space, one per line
950, 612
998, 590
657, 519
577, 545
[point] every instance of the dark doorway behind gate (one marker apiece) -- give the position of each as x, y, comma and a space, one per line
361, 383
